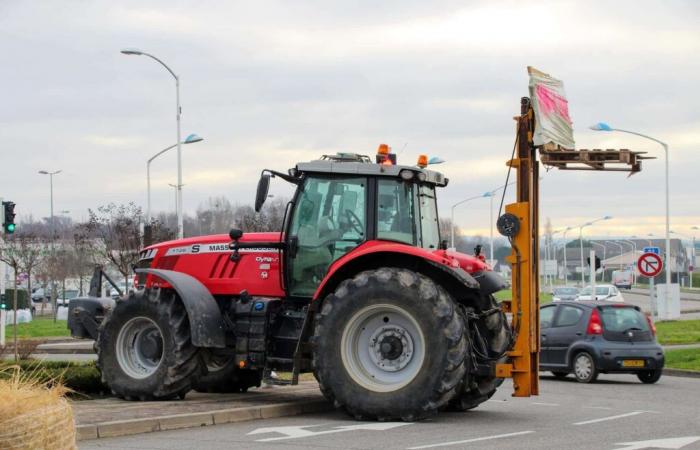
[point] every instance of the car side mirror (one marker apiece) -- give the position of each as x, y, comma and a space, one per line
263, 189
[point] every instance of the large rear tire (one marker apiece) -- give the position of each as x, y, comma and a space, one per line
144, 349
389, 344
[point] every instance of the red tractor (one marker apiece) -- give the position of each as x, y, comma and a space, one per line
358, 288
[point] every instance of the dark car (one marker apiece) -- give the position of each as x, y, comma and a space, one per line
589, 338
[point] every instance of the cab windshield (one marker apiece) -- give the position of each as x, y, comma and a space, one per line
331, 218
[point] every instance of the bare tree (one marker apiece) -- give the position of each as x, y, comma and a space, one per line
22, 252
117, 230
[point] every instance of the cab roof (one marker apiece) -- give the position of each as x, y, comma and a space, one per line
362, 165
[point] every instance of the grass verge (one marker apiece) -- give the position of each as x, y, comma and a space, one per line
678, 332
506, 294
81, 378
687, 359
38, 327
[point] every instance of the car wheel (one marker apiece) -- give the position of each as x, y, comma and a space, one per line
585, 370
559, 375
649, 376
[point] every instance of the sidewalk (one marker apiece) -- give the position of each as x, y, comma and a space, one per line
691, 296
113, 417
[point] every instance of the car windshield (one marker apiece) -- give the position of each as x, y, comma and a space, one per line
599, 290
620, 319
565, 291
70, 294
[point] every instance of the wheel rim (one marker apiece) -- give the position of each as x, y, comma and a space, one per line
382, 347
139, 347
583, 367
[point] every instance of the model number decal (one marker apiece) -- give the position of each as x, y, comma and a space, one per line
213, 248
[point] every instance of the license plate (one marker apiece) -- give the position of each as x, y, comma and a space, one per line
633, 363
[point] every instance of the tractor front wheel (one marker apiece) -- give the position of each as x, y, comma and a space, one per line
144, 348
389, 344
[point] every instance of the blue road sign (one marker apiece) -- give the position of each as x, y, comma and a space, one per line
655, 250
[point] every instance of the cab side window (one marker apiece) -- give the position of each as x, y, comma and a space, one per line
568, 316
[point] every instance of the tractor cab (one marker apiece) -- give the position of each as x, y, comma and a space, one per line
345, 200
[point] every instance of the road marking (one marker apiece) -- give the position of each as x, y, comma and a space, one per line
603, 419
296, 432
545, 404
466, 441
673, 443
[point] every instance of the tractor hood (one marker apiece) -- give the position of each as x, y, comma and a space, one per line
203, 244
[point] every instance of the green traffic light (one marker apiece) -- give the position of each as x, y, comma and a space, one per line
10, 227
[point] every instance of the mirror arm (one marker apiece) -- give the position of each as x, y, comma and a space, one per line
284, 176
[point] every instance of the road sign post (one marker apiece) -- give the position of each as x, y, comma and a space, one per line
650, 265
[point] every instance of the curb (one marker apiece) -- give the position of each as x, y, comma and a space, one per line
199, 419
681, 373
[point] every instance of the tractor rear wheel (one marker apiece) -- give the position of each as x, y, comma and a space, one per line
144, 350
389, 344
224, 376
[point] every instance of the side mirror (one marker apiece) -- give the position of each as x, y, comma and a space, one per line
263, 189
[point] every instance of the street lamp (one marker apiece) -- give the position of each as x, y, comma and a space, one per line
452, 234
51, 174
604, 249
180, 221
191, 139
566, 269
602, 126
622, 249
53, 226
580, 238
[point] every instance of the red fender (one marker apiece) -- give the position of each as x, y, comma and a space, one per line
450, 259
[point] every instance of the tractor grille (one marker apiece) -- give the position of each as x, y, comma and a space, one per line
141, 277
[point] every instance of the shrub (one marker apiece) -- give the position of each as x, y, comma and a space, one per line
22, 299
81, 378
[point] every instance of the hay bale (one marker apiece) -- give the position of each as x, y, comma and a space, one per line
34, 415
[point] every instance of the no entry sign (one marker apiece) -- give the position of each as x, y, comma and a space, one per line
649, 264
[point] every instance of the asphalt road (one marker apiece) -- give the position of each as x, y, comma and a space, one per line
610, 414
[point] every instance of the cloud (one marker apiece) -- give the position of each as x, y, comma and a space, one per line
269, 83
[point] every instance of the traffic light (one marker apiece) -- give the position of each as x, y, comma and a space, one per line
597, 262
8, 214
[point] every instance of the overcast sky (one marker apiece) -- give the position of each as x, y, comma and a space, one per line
271, 83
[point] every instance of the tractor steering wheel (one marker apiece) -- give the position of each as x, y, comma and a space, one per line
355, 222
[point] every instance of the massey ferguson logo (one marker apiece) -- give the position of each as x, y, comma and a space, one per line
222, 247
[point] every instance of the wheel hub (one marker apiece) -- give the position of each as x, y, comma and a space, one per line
383, 347
391, 348
139, 347
152, 345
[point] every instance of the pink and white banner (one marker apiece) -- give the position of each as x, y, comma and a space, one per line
552, 121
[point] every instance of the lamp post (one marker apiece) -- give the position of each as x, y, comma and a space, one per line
604, 248
621, 250
553, 252
452, 234
566, 269
53, 232
692, 238
601, 126
580, 238
693, 256
133, 51
191, 139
